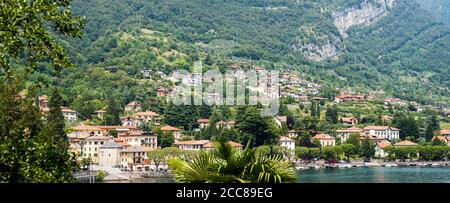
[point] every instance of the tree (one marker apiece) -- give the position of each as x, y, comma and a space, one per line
145, 127
349, 150
367, 148
353, 139
20, 34
432, 125
113, 132
329, 153
112, 116
253, 125
407, 125
27, 146
55, 122
316, 143
313, 109
225, 164
56, 137
166, 139
157, 157
437, 142
331, 114
302, 153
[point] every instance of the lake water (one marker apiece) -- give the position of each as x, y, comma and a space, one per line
376, 175
356, 175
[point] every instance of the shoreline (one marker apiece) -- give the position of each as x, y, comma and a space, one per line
321, 165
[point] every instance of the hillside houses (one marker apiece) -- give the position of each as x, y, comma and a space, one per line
349, 120
225, 124
69, 114
203, 122
349, 98
395, 102
292, 85
133, 107
148, 117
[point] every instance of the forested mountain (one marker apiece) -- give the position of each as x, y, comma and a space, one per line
390, 45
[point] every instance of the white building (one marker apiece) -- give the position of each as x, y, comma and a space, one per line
379, 149
288, 143
109, 154
385, 132
203, 123
90, 147
293, 134
191, 144
345, 133
69, 114
147, 117
135, 139
325, 140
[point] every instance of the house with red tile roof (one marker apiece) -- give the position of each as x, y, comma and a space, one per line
348, 98
345, 133
86, 131
325, 140
203, 123
175, 131
445, 132
191, 144
100, 114
444, 139
406, 143
210, 145
349, 120
379, 148
139, 138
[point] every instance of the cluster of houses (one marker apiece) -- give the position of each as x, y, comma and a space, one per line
296, 87
382, 136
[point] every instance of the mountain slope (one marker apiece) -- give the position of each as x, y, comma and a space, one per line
398, 48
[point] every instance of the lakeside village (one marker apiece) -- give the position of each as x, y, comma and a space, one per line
314, 129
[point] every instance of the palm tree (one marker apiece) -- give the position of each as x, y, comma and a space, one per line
225, 164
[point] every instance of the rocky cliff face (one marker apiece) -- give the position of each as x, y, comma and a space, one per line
365, 14
317, 46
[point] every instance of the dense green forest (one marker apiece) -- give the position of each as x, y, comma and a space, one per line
405, 52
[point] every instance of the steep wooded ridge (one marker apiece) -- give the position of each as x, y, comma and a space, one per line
399, 46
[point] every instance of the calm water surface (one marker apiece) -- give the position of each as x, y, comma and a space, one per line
355, 175
376, 175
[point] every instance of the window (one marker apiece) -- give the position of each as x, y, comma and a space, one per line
101, 142
95, 143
